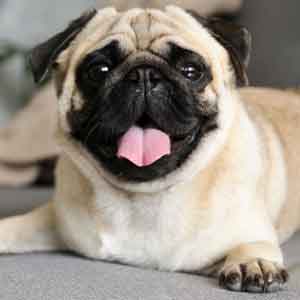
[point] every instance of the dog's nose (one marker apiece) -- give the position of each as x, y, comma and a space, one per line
145, 76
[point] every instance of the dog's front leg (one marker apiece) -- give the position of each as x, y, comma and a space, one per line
31, 232
254, 267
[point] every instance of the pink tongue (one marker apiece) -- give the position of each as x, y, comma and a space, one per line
143, 147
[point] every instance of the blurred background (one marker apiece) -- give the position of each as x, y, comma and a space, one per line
275, 27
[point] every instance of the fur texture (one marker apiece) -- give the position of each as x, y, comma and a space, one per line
224, 211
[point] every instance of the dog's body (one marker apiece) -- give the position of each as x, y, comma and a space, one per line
178, 227
222, 203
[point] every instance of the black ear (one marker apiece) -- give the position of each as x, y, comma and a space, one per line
235, 39
44, 55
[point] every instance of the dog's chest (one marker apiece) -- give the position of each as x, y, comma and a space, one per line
143, 230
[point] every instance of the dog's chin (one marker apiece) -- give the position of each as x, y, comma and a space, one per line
125, 170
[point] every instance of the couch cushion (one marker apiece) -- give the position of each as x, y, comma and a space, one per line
18, 201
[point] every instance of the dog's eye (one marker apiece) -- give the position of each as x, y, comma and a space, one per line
98, 71
192, 72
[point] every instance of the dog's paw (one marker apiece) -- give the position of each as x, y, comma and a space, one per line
256, 276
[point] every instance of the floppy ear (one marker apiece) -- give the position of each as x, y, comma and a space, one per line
235, 39
44, 55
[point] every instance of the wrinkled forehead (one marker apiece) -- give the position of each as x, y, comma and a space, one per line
146, 30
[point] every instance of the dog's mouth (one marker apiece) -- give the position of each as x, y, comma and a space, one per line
145, 150
145, 145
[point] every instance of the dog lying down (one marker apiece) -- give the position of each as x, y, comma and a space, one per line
164, 162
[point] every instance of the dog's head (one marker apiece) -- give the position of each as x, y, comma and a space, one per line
146, 93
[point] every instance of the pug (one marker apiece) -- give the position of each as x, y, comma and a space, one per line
165, 162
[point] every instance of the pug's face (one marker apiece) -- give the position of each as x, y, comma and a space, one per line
142, 90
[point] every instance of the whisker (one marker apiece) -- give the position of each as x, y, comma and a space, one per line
91, 132
92, 119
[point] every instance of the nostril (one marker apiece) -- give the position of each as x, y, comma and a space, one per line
154, 77
149, 77
134, 76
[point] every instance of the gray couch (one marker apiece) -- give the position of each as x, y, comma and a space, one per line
64, 276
